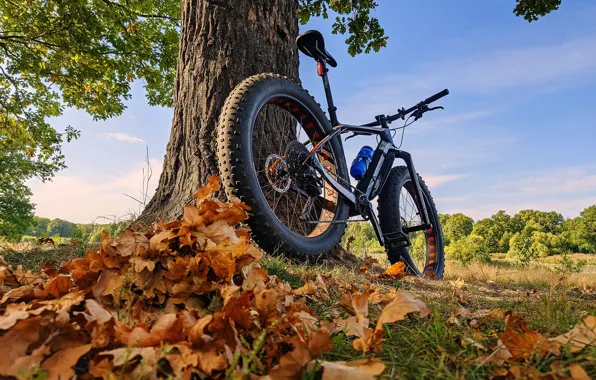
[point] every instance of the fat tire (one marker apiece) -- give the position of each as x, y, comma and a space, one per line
235, 164
390, 221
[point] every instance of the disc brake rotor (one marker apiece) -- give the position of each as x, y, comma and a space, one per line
277, 173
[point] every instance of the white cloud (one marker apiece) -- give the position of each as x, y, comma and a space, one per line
433, 181
519, 67
566, 190
79, 200
452, 199
572, 180
546, 67
124, 137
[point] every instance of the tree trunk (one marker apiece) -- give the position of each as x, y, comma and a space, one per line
222, 42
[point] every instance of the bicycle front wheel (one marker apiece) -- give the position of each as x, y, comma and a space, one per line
425, 256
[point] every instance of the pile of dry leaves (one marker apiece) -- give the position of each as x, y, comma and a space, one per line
188, 297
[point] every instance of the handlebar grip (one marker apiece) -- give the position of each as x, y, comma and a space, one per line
437, 96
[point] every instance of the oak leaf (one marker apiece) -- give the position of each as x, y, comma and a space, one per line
403, 304
581, 336
192, 218
131, 243
351, 326
160, 241
58, 286
255, 279
319, 342
396, 270
219, 231
205, 191
497, 357
24, 293
366, 369
577, 372
10, 319
222, 263
59, 365
291, 364
266, 305
519, 339
14, 344
369, 340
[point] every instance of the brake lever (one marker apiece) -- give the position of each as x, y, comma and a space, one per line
422, 110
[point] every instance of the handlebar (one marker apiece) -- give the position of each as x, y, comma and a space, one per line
436, 97
404, 112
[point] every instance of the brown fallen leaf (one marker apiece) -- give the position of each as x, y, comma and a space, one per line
11, 319
498, 357
396, 271
206, 190
577, 372
379, 297
14, 344
291, 364
366, 369
58, 286
59, 365
351, 326
519, 339
581, 336
369, 340
403, 304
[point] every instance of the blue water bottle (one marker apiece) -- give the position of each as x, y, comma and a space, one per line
361, 162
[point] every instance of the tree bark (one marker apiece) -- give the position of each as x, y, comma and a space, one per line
222, 42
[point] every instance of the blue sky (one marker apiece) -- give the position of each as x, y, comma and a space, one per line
518, 131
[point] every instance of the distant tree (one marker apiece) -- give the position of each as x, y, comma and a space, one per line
39, 227
488, 230
521, 246
61, 228
16, 212
549, 221
457, 227
470, 248
581, 231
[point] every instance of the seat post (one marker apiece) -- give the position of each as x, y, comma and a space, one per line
322, 71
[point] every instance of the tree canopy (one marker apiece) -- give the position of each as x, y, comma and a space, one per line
86, 53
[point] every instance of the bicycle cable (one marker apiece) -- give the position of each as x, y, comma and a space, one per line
403, 130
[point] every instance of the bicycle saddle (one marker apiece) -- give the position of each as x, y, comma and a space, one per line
312, 44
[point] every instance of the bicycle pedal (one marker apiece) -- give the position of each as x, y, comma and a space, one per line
397, 237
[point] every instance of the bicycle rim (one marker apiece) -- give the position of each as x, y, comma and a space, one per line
280, 122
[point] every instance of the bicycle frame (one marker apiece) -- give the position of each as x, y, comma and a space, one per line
370, 185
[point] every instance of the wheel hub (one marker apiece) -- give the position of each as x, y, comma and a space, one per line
277, 173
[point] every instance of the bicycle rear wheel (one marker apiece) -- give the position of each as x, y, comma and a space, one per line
425, 256
266, 129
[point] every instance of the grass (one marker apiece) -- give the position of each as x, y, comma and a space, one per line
430, 348
433, 348
32, 255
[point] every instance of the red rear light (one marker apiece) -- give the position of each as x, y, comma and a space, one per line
320, 68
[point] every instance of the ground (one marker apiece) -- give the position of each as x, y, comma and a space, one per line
449, 343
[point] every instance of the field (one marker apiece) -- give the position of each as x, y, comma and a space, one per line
452, 343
